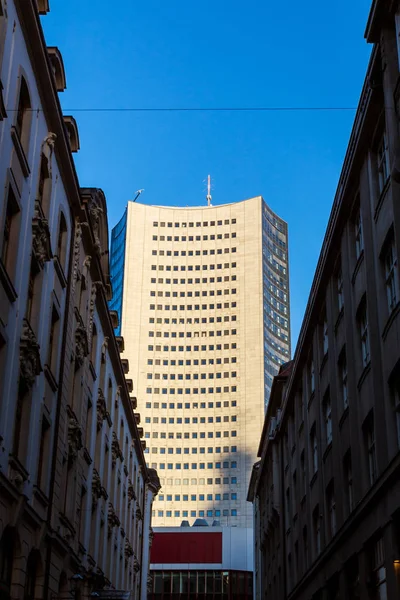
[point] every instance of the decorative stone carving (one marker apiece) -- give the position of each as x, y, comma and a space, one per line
117, 396
29, 355
122, 532
138, 514
126, 470
95, 211
81, 344
97, 489
113, 520
151, 536
128, 549
104, 347
149, 583
115, 450
41, 244
131, 491
74, 438
101, 409
136, 564
92, 305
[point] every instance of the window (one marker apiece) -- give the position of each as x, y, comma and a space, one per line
325, 341
10, 233
379, 570
62, 241
382, 163
53, 341
369, 432
363, 326
331, 508
348, 479
359, 241
24, 116
43, 450
327, 407
314, 449
390, 261
311, 376
395, 395
317, 530
343, 378
339, 287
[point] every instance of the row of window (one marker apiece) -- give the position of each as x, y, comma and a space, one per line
193, 497
161, 294
191, 281
195, 224
209, 465
218, 390
199, 253
189, 361
189, 405
181, 376
202, 450
190, 321
182, 307
192, 238
192, 481
187, 420
212, 267
193, 467
194, 513
194, 435
202, 348
182, 334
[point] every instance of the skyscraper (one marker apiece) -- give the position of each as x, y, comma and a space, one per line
203, 299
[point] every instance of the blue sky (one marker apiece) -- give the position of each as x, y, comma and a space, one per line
216, 54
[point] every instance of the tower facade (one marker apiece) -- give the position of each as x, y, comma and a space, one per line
205, 320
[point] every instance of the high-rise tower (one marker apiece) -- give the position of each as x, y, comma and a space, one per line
205, 320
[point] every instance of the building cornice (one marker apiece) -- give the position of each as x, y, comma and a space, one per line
29, 18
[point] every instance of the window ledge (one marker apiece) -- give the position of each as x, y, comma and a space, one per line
20, 152
391, 318
327, 451
313, 478
381, 199
87, 456
60, 271
40, 496
50, 378
92, 370
7, 283
360, 259
344, 416
364, 374
339, 319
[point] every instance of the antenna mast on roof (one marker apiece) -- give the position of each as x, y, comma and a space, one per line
209, 198
137, 195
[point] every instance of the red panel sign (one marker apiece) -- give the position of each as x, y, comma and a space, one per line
193, 548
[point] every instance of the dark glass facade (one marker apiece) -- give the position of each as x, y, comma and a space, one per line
276, 295
204, 585
117, 264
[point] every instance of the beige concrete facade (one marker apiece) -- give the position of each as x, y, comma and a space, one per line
193, 320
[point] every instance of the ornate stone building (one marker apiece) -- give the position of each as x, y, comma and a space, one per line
75, 492
326, 491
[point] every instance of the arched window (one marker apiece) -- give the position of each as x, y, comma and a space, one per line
6, 562
24, 115
62, 241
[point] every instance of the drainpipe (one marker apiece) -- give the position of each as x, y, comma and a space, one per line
58, 413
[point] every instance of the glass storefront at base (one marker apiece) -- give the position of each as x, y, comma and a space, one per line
204, 585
